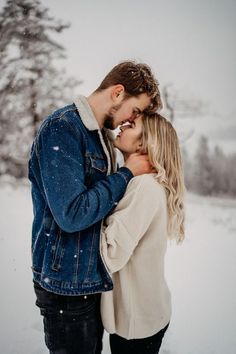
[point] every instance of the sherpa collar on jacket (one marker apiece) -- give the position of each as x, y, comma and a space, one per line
86, 114
89, 120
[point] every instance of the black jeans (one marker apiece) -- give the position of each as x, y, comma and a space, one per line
72, 324
149, 345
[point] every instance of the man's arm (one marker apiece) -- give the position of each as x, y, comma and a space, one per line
73, 205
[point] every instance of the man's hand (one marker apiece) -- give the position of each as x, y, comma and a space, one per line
139, 164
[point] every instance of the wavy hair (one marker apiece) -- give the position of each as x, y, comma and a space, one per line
160, 141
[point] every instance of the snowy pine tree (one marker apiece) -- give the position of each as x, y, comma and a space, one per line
220, 172
230, 175
203, 182
188, 167
31, 83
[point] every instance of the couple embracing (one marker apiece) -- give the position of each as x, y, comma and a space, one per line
100, 231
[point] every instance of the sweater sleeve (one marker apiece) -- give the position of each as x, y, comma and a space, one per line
129, 222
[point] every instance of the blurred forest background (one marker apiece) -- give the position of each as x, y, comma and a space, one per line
33, 83
47, 57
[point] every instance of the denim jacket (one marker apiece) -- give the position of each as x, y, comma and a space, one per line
74, 186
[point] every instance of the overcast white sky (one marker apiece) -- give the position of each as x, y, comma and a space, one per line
190, 43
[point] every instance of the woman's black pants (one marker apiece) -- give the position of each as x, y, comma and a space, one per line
149, 345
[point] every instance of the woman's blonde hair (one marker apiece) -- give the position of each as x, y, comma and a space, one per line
160, 141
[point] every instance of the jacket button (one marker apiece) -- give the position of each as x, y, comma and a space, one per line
105, 286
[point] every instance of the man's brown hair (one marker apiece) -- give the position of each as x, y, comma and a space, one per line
137, 78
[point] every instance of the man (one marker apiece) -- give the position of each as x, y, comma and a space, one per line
75, 184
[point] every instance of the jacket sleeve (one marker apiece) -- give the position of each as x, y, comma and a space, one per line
60, 156
129, 222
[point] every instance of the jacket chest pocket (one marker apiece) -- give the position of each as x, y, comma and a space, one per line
96, 168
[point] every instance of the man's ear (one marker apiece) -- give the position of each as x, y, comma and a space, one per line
117, 93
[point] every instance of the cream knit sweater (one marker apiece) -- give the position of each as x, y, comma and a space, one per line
133, 246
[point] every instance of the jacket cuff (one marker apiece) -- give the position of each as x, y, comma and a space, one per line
125, 173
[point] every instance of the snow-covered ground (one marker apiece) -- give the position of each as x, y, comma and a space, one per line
201, 275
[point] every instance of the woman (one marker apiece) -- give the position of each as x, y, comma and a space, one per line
137, 312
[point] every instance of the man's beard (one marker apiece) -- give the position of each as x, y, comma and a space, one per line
109, 119
109, 122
